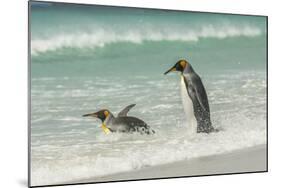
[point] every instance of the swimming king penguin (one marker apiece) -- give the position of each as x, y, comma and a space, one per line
194, 97
121, 123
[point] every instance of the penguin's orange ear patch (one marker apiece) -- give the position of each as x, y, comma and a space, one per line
183, 63
106, 113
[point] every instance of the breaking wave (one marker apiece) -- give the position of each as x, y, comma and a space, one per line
102, 37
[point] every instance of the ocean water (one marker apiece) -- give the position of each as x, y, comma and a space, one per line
85, 58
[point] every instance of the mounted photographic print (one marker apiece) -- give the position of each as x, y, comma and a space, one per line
120, 94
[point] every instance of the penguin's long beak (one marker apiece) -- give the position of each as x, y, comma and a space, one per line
170, 70
91, 115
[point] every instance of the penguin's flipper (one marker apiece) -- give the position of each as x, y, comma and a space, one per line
195, 95
125, 110
191, 92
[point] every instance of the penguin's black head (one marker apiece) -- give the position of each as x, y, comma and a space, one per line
102, 114
179, 66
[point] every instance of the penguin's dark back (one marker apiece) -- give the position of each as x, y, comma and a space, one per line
129, 120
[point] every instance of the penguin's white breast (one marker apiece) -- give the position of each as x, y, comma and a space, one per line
188, 107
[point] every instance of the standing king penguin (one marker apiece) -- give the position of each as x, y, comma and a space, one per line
194, 98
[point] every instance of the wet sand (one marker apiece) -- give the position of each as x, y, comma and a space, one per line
247, 160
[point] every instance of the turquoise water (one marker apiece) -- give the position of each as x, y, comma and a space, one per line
84, 58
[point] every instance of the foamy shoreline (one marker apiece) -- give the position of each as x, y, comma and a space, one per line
251, 159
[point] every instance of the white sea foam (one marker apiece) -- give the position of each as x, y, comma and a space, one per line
101, 37
129, 152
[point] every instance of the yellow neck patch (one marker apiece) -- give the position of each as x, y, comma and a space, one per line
183, 64
106, 113
105, 129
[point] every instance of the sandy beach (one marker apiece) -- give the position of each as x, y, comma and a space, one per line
247, 160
